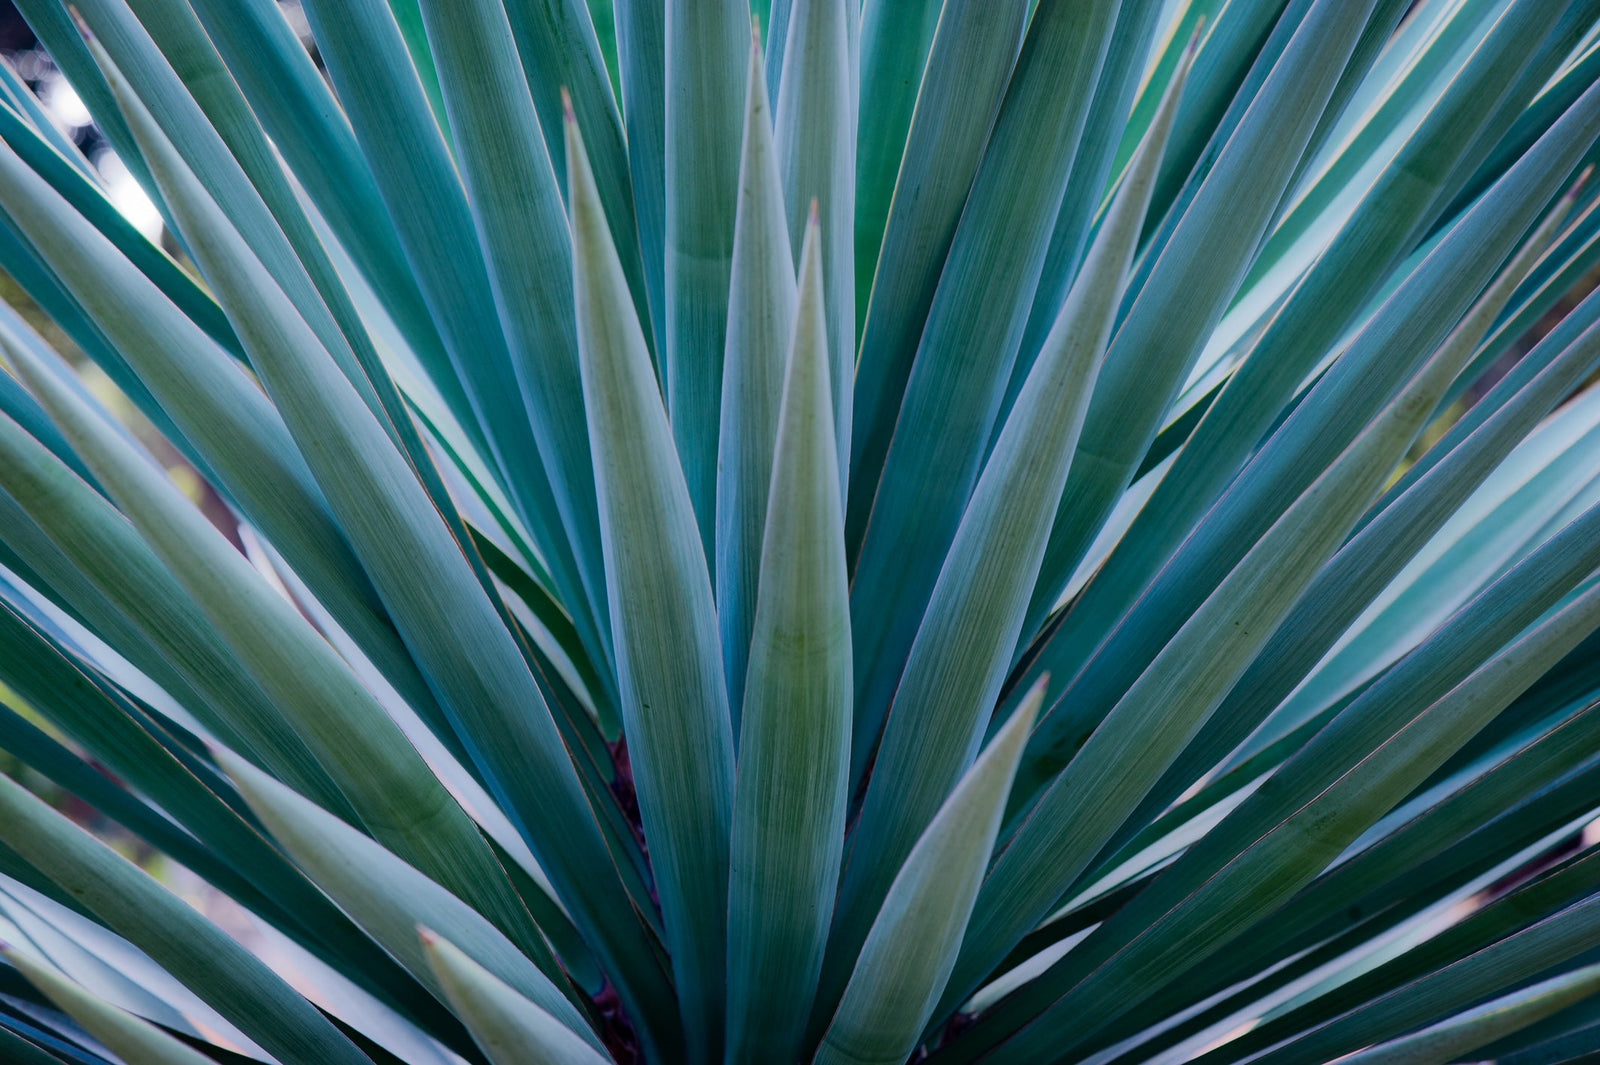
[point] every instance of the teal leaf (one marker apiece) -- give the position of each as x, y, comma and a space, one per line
669, 659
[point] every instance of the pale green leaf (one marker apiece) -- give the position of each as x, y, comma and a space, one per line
210, 963
669, 659
510, 1028
794, 743
912, 947
388, 897
704, 87
135, 1041
761, 307
388, 785
440, 608
815, 128
964, 646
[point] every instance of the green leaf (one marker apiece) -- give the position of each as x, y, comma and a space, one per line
239, 168
669, 661
794, 746
1123, 757
981, 304
380, 90
1311, 836
135, 1041
761, 309
385, 780
297, 110
641, 56
912, 946
120, 585
52, 23
560, 47
511, 1029
963, 648
1195, 278
214, 402
1469, 1030
1086, 192
969, 63
895, 41
1393, 216
816, 137
521, 224
443, 613
704, 117
23, 1051
215, 840
1310, 439
80, 190
226, 976
388, 897
1365, 566
1551, 920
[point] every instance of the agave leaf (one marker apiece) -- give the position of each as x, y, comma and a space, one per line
964, 646
19, 259
80, 190
1311, 436
385, 780
135, 1041
1374, 881
789, 805
297, 110
52, 23
559, 42
380, 91
641, 56
335, 324
1402, 700
669, 660
224, 847
1195, 277
15, 92
951, 399
239, 169
912, 946
816, 137
301, 261
895, 41
1376, 554
217, 406
704, 119
129, 584
1466, 1031
1123, 758
1236, 39
511, 1029
1545, 923
516, 204
1306, 840
23, 1051
388, 897
1394, 214
969, 63
440, 608
1558, 344
761, 309
1086, 186
225, 975
1380, 550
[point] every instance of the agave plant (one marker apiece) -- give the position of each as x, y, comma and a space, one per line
974, 530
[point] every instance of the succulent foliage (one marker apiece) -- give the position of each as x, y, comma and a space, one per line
1021, 531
